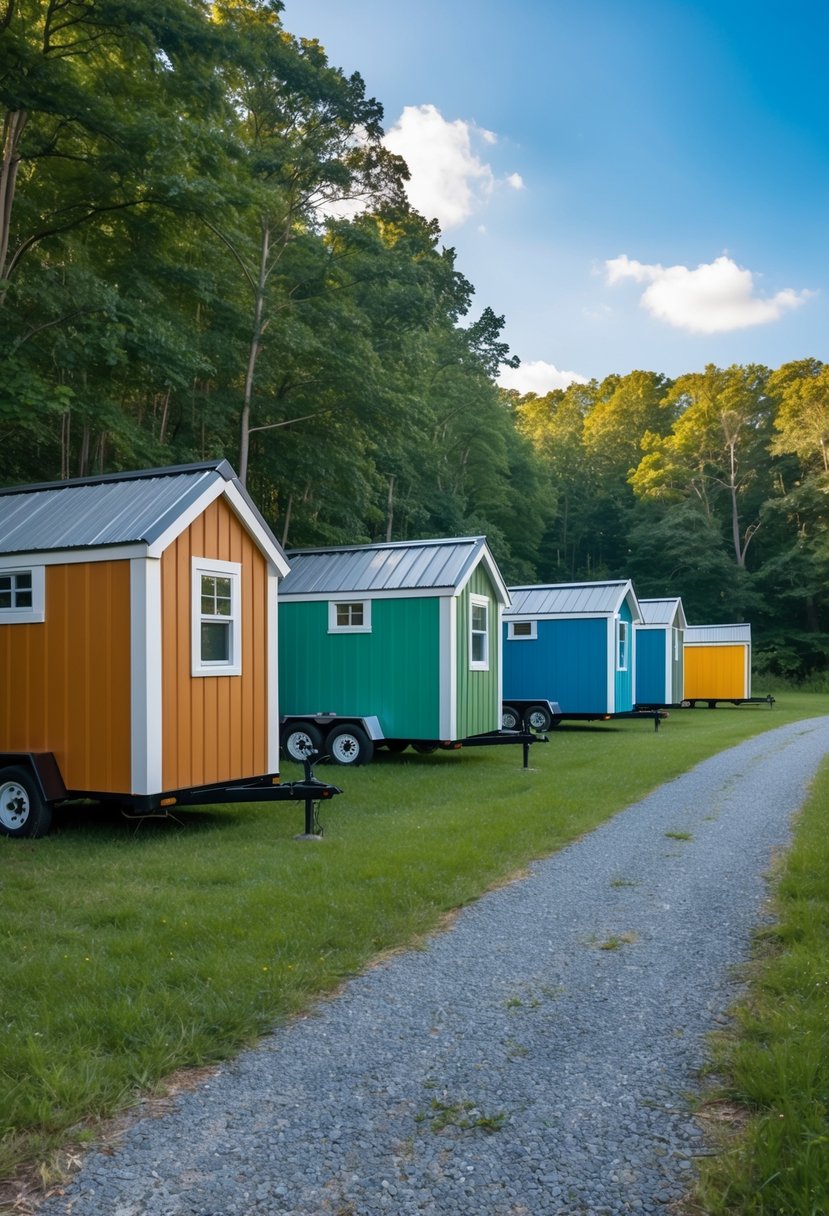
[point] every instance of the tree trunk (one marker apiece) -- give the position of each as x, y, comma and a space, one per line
288, 510
14, 122
253, 353
390, 508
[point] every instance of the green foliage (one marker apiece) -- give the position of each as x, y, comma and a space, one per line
206, 251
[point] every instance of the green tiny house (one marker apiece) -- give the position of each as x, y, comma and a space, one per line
406, 632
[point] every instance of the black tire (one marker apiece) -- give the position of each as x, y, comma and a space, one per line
349, 745
425, 749
22, 810
397, 745
301, 739
510, 718
538, 718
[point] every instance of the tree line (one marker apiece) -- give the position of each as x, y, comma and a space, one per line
206, 251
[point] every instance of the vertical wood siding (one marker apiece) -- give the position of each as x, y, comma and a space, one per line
65, 683
214, 727
650, 665
391, 673
716, 672
477, 691
566, 663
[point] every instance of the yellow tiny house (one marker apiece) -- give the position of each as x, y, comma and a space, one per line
138, 629
717, 663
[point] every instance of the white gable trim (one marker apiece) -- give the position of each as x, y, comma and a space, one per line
486, 558
222, 489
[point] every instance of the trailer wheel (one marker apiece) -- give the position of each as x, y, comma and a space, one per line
349, 745
300, 740
22, 810
510, 718
425, 749
397, 745
538, 718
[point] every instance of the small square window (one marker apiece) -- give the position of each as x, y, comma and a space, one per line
349, 616
22, 595
217, 618
521, 631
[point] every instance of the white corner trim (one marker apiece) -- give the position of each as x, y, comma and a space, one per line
611, 665
272, 669
145, 676
447, 691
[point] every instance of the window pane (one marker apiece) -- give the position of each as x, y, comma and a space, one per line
223, 594
478, 647
5, 599
356, 614
522, 629
215, 642
479, 616
23, 599
5, 582
23, 580
342, 614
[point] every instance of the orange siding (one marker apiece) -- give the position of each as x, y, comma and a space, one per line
715, 671
214, 727
65, 683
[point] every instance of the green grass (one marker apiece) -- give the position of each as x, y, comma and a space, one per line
774, 1066
129, 953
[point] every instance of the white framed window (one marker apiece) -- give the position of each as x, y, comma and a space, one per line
216, 618
22, 595
349, 616
478, 633
622, 635
522, 631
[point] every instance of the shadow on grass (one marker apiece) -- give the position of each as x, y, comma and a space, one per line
110, 819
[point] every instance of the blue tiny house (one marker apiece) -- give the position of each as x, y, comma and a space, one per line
406, 634
660, 647
573, 643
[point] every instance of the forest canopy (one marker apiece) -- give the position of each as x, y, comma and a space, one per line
206, 251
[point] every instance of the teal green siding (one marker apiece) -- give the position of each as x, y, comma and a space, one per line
392, 672
478, 707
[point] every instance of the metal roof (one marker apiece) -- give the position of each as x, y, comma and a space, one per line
114, 509
394, 566
717, 633
570, 599
663, 612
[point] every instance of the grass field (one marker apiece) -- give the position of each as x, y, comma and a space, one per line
131, 952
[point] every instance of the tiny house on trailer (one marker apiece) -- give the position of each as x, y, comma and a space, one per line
572, 644
138, 622
718, 663
401, 639
660, 638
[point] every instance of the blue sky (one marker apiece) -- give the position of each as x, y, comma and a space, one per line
631, 183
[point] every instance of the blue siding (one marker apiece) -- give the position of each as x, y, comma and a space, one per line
624, 679
567, 663
650, 666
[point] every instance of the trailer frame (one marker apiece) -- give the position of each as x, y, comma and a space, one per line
31, 786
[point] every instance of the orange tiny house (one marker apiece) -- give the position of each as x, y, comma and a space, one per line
138, 656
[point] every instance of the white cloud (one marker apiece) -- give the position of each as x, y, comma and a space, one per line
714, 298
449, 181
537, 377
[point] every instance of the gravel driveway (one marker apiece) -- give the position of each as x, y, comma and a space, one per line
534, 1060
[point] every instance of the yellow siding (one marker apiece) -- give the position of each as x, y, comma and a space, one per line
214, 728
715, 672
65, 683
